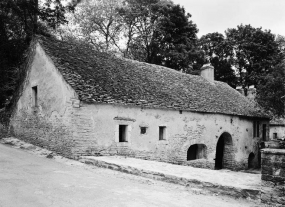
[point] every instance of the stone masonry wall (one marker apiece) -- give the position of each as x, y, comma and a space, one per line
273, 177
46, 122
96, 133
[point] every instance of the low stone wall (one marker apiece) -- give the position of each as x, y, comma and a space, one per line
3, 131
273, 177
200, 163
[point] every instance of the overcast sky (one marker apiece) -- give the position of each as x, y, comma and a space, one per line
218, 15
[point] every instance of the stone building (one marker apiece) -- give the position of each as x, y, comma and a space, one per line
76, 102
277, 129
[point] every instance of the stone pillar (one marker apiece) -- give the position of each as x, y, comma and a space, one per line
273, 177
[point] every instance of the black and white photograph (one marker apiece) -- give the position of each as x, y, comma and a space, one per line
142, 103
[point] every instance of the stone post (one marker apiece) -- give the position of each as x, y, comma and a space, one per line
273, 177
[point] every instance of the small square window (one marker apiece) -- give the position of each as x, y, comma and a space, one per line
162, 133
123, 133
143, 130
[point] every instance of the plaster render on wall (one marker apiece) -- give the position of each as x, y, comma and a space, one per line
279, 130
182, 132
47, 123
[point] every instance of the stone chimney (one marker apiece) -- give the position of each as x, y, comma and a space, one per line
251, 92
240, 90
207, 72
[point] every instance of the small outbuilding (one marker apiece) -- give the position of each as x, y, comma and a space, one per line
277, 129
77, 101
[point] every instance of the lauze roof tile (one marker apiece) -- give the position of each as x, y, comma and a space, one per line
104, 78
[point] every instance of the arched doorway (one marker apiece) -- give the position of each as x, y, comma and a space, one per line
224, 152
196, 151
251, 160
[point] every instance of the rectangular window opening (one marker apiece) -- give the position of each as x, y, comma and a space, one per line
143, 130
35, 95
123, 133
162, 132
256, 129
274, 135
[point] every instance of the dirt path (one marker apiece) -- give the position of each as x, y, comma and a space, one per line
27, 179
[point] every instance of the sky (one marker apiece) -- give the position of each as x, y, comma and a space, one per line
218, 15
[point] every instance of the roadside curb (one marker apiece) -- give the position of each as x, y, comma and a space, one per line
206, 187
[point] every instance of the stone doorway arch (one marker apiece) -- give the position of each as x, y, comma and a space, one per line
224, 152
196, 151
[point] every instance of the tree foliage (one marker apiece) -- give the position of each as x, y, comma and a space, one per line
96, 22
159, 32
255, 52
271, 91
140, 21
249, 56
218, 52
174, 40
19, 21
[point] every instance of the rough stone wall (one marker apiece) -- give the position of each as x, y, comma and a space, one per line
99, 123
229, 154
273, 177
48, 123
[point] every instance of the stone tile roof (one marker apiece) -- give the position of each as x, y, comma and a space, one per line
104, 78
277, 121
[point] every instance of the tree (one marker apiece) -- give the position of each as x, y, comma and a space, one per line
159, 32
19, 21
271, 91
255, 53
218, 52
174, 41
255, 56
96, 22
139, 21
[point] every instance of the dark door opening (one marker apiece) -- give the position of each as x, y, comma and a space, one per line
264, 132
224, 152
220, 154
192, 152
123, 133
197, 151
251, 161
